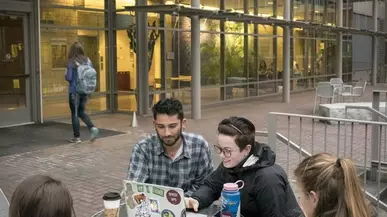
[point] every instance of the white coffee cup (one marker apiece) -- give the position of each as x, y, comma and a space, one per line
111, 202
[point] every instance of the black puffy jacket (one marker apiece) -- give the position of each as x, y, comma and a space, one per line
266, 192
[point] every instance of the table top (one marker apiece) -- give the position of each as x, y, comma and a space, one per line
209, 211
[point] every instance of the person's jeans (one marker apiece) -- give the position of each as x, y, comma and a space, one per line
77, 104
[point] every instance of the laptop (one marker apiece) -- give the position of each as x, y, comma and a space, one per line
149, 200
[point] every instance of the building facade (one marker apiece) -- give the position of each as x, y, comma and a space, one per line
146, 50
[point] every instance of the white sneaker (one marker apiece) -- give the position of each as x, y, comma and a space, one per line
75, 140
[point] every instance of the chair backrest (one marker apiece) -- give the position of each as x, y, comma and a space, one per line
325, 90
359, 88
4, 205
334, 81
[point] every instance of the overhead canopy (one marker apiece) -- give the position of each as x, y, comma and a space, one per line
182, 10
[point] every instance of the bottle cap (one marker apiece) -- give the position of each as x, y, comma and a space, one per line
233, 186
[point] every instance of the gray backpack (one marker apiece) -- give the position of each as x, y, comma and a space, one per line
86, 78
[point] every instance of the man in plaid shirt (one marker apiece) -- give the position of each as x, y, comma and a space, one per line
171, 157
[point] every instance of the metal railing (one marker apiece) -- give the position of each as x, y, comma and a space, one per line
305, 135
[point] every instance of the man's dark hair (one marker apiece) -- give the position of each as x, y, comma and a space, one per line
170, 107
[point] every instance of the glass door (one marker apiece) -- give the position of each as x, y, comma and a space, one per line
15, 104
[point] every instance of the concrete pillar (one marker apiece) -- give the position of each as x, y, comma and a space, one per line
142, 60
286, 55
195, 64
384, 77
374, 59
112, 98
339, 45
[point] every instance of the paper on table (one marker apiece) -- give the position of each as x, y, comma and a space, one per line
192, 214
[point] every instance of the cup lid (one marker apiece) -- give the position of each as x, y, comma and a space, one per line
111, 196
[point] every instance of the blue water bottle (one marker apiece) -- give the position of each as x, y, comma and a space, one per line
231, 199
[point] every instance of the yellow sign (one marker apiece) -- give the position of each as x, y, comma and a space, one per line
16, 84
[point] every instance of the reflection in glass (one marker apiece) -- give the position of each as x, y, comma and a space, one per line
58, 106
210, 59
54, 61
12, 84
235, 5
299, 8
318, 13
127, 102
234, 59
59, 55
70, 17
126, 63
178, 65
266, 8
280, 9
331, 13
97, 4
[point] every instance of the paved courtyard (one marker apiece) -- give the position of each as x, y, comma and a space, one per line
90, 170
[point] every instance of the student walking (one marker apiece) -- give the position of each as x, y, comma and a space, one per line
82, 81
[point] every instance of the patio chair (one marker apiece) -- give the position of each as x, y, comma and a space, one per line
4, 205
324, 90
337, 84
356, 91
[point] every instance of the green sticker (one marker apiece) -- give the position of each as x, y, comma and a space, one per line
140, 188
158, 191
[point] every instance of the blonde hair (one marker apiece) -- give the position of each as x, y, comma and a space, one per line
337, 185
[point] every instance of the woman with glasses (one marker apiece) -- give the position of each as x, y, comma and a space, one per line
330, 187
266, 190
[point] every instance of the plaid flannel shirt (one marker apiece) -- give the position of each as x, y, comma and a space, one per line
150, 164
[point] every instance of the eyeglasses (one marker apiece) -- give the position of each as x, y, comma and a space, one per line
226, 152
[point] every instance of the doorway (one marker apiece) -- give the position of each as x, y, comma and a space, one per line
15, 94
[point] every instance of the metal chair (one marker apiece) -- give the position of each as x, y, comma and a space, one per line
356, 91
337, 84
324, 90
4, 205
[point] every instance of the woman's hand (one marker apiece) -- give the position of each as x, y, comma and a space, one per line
191, 203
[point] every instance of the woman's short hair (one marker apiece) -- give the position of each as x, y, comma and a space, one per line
241, 128
41, 196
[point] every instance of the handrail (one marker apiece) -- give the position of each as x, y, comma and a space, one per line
366, 108
328, 118
374, 201
285, 140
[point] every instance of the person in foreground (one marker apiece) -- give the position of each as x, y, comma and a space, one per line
330, 187
41, 196
266, 190
171, 157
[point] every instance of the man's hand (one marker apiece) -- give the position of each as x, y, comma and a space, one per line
191, 203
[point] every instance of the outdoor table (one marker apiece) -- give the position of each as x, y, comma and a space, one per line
204, 211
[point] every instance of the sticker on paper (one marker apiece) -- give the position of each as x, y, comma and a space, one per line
154, 205
167, 213
173, 197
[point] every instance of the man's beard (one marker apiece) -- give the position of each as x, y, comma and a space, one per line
173, 142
